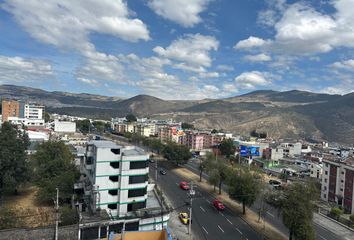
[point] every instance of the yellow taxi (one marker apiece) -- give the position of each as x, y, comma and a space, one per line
184, 217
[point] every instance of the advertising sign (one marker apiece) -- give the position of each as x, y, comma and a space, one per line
247, 151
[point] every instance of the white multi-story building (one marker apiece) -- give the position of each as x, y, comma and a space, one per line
64, 126
316, 170
118, 183
33, 111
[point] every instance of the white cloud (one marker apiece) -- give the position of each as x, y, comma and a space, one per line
347, 64
67, 24
18, 69
250, 80
223, 67
209, 75
189, 68
192, 49
250, 43
230, 88
302, 30
258, 58
91, 82
183, 12
271, 15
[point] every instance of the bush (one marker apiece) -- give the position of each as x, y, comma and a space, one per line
351, 217
68, 216
8, 218
336, 212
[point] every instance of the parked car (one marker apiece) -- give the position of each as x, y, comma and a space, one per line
218, 204
183, 216
184, 185
163, 171
274, 183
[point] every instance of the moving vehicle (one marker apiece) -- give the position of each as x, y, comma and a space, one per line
218, 204
163, 171
184, 185
183, 216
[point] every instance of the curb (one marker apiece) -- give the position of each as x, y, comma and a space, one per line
343, 225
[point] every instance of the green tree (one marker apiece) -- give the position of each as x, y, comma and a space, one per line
336, 212
46, 117
179, 154
99, 125
83, 125
131, 118
214, 131
214, 177
227, 147
13, 158
218, 166
187, 126
201, 167
243, 186
8, 218
54, 168
297, 210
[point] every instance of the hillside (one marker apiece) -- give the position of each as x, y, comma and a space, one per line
291, 114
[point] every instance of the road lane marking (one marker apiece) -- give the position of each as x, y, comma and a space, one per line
323, 237
205, 230
229, 221
270, 214
238, 230
221, 214
207, 200
202, 208
220, 228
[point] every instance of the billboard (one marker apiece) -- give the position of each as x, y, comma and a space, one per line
247, 151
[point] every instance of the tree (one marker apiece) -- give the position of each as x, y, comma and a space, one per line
46, 117
218, 167
201, 167
213, 177
176, 153
99, 125
227, 147
13, 158
83, 125
54, 168
187, 125
297, 210
214, 131
336, 212
68, 216
131, 118
244, 187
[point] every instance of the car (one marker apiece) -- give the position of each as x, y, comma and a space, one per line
163, 171
184, 185
218, 204
183, 216
274, 183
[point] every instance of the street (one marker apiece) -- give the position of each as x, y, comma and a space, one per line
207, 222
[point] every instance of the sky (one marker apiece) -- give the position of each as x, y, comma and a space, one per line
178, 49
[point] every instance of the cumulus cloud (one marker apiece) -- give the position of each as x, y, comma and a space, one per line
302, 30
183, 12
18, 69
67, 24
91, 82
223, 67
347, 64
208, 74
192, 49
258, 58
250, 43
250, 80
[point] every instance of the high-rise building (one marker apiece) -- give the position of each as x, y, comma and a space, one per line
10, 108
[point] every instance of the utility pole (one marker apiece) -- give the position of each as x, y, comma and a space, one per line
191, 193
57, 214
156, 170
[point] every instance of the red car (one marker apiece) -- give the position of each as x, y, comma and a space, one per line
184, 185
218, 204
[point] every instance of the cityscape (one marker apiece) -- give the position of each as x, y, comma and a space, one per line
177, 119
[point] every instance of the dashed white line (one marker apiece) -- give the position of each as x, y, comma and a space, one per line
202, 209
205, 230
323, 237
222, 214
229, 221
207, 200
270, 214
220, 228
238, 230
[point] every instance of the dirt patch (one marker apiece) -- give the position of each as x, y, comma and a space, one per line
251, 217
29, 213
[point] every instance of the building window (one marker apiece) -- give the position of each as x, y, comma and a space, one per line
341, 189
113, 192
112, 206
342, 181
343, 172
324, 188
325, 195
136, 192
89, 160
326, 172
325, 180
113, 178
138, 179
138, 165
115, 151
136, 206
114, 164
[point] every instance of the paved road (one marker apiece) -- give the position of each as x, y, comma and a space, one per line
273, 216
208, 223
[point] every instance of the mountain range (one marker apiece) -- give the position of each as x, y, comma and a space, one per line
291, 114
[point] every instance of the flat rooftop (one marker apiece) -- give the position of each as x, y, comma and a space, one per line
133, 151
104, 144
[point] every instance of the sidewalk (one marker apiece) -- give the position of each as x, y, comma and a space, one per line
333, 227
251, 217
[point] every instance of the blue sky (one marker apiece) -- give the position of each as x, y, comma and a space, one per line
178, 49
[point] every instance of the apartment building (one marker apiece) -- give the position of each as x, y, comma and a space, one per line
337, 182
10, 108
291, 149
117, 182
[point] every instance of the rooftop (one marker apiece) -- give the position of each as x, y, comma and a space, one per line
104, 144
